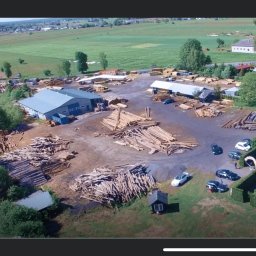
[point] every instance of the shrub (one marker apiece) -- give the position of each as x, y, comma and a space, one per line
15, 193
252, 199
251, 152
5, 181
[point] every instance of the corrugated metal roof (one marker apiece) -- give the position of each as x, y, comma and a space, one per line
45, 101
233, 89
205, 93
157, 195
187, 89
111, 77
38, 200
79, 94
245, 43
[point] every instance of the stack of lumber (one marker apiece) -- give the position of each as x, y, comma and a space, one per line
119, 119
244, 120
51, 82
140, 133
114, 186
211, 110
6, 143
42, 153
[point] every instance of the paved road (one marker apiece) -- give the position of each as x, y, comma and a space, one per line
206, 132
234, 63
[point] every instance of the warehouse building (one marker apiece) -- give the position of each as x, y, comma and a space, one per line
177, 88
48, 103
244, 46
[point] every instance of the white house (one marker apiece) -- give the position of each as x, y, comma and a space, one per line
244, 46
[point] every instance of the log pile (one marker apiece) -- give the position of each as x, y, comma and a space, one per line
114, 186
140, 133
211, 110
245, 120
6, 143
44, 154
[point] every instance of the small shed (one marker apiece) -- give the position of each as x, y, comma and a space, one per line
232, 91
158, 201
59, 118
37, 201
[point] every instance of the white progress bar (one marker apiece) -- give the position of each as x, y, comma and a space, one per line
209, 249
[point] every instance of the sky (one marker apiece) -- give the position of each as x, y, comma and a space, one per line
16, 19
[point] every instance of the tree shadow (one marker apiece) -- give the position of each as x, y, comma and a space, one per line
171, 208
53, 227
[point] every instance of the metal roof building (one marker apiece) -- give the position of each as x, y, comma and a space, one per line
232, 91
185, 89
37, 201
47, 103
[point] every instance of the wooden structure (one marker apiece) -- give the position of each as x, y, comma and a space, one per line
158, 201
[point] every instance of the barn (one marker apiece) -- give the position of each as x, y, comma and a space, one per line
48, 103
244, 46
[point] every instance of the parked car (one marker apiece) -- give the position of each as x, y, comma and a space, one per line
180, 179
227, 174
249, 141
216, 186
243, 145
234, 154
168, 101
216, 150
170, 79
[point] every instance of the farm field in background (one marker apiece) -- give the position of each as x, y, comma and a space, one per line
127, 47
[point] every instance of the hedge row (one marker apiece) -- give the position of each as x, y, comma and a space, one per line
243, 189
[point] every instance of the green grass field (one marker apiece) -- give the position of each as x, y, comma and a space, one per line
127, 47
194, 212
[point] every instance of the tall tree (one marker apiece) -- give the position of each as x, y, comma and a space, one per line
192, 57
220, 42
247, 90
103, 60
81, 61
66, 65
7, 69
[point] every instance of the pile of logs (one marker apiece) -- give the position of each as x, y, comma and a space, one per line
6, 143
42, 153
245, 120
116, 186
211, 110
140, 133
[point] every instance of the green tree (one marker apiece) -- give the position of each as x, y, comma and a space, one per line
4, 120
21, 61
7, 69
218, 70
247, 90
66, 65
15, 193
220, 42
254, 21
192, 57
20, 221
217, 92
47, 72
81, 61
228, 72
103, 60
5, 181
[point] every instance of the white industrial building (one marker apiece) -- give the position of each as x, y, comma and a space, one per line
244, 46
172, 87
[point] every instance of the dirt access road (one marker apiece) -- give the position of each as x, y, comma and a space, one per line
99, 151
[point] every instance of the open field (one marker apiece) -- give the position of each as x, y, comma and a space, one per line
127, 47
192, 212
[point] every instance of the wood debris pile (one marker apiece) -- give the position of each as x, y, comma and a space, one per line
6, 143
116, 186
140, 133
245, 120
211, 110
46, 155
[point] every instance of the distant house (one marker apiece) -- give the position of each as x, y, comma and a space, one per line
244, 46
158, 201
177, 88
37, 201
47, 103
206, 95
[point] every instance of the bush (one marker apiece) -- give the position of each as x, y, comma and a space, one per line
241, 188
252, 199
15, 193
5, 181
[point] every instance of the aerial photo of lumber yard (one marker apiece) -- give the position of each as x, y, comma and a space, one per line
128, 127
